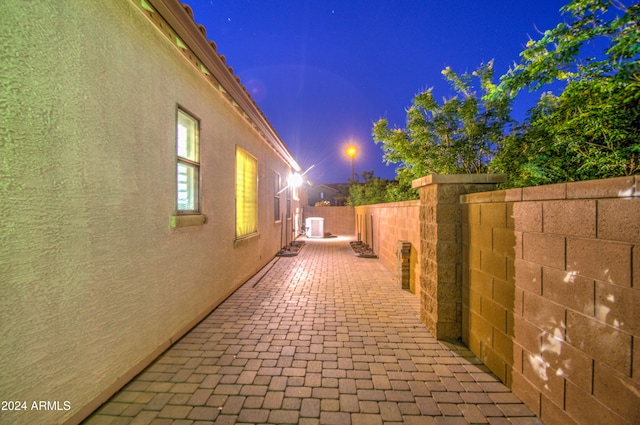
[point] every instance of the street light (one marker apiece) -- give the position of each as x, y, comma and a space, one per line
351, 152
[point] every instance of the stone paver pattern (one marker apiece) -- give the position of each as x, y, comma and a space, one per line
324, 337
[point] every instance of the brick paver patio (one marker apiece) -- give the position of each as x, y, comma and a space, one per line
321, 338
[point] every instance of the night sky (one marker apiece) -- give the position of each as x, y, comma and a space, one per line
324, 71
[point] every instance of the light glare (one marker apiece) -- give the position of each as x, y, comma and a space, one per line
294, 180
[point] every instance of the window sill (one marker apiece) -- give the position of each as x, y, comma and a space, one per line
187, 220
238, 242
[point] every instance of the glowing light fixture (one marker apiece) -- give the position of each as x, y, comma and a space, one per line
294, 180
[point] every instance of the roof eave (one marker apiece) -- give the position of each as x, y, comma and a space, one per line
193, 35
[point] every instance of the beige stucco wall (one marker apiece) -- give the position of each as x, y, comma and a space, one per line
94, 283
551, 296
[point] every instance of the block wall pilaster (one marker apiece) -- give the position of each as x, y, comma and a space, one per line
441, 248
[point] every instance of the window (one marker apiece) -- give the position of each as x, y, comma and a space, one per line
246, 193
277, 181
188, 165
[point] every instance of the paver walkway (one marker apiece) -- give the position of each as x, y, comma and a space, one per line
321, 338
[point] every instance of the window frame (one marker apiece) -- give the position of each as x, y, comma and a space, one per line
277, 188
191, 161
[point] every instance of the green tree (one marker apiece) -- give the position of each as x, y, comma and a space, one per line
455, 137
592, 129
370, 191
375, 190
562, 54
400, 189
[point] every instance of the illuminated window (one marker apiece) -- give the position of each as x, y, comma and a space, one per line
188, 164
246, 193
277, 181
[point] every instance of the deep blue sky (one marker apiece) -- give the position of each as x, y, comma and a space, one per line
324, 71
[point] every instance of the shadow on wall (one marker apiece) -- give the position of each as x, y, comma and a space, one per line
562, 328
488, 284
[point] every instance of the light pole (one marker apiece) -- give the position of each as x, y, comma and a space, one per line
351, 152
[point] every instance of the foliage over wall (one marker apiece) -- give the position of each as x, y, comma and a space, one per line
589, 131
375, 190
455, 137
592, 129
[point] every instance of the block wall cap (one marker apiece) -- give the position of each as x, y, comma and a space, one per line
617, 187
399, 204
459, 179
508, 195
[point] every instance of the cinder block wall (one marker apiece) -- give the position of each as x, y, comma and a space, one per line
337, 220
391, 223
489, 252
551, 296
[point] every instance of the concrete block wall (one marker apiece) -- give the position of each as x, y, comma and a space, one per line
337, 220
551, 295
391, 223
488, 279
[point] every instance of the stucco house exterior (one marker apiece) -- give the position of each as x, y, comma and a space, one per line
140, 186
